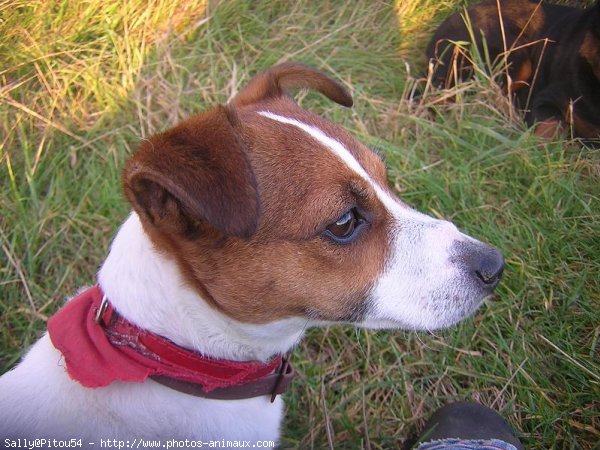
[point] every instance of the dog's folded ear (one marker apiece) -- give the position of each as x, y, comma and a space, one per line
279, 79
195, 173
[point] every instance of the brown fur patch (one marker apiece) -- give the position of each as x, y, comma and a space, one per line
196, 172
590, 50
286, 267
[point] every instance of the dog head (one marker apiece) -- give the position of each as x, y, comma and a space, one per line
273, 212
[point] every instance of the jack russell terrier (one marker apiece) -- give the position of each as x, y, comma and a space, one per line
251, 222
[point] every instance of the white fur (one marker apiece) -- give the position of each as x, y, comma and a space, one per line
38, 399
420, 284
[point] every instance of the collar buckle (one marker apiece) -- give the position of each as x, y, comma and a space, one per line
286, 373
101, 309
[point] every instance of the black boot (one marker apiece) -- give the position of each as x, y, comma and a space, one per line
466, 420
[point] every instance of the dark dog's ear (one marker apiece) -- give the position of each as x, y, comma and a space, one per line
279, 79
590, 47
197, 172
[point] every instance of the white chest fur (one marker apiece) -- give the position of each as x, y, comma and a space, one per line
147, 288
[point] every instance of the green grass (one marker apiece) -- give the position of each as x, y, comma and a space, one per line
82, 82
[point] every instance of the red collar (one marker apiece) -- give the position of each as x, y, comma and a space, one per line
100, 346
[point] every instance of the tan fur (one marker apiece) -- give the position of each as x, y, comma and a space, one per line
522, 77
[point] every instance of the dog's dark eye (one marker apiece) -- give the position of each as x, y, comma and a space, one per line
344, 229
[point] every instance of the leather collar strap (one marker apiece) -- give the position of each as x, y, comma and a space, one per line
273, 384
100, 346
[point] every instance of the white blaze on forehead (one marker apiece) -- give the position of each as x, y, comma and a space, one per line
341, 152
420, 281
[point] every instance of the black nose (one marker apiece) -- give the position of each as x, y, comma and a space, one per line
491, 269
485, 263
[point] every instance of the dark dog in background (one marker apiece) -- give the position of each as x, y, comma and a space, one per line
552, 59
